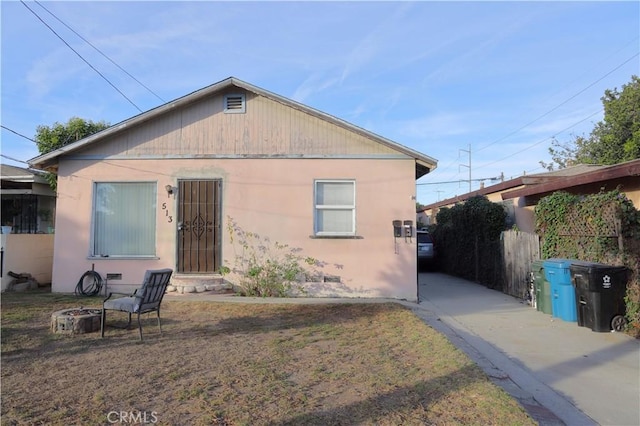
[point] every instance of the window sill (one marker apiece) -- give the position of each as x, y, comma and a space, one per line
123, 257
336, 237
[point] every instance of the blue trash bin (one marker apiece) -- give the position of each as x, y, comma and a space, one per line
563, 294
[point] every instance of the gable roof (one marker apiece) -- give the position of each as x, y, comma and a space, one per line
424, 163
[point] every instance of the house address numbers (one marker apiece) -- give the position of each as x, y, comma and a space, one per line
166, 213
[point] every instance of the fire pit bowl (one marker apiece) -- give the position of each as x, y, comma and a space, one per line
76, 321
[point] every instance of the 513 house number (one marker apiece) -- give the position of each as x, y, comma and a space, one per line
166, 213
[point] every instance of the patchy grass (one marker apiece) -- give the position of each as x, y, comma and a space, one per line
242, 364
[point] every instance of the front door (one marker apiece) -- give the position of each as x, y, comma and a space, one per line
199, 238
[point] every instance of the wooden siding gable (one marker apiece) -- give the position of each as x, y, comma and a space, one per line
267, 129
193, 126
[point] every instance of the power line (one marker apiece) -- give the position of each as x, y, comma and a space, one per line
13, 159
561, 104
511, 155
80, 56
465, 165
458, 181
99, 51
545, 114
538, 143
22, 136
19, 134
537, 168
442, 169
28, 138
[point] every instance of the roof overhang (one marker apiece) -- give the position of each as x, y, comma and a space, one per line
21, 175
629, 168
502, 186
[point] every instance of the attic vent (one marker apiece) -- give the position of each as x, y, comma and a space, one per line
234, 104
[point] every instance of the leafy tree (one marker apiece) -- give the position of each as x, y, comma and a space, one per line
613, 140
50, 138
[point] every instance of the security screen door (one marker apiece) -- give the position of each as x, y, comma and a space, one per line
199, 238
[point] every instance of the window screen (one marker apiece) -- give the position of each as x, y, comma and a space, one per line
124, 219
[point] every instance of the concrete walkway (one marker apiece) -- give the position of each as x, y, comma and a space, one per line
580, 376
559, 372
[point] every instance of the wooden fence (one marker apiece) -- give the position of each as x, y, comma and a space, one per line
519, 249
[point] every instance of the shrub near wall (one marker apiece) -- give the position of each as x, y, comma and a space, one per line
467, 238
603, 228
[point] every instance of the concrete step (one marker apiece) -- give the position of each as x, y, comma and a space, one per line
199, 283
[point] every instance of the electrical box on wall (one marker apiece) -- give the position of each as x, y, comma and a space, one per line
408, 228
397, 228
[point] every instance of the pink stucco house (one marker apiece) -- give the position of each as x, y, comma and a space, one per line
160, 189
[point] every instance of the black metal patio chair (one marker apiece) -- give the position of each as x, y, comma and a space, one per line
144, 300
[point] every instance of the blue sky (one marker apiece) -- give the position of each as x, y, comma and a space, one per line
499, 79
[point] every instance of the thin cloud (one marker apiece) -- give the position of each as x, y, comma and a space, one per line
48, 73
572, 122
371, 44
470, 50
437, 125
434, 76
315, 83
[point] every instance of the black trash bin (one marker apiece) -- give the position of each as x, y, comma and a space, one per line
600, 291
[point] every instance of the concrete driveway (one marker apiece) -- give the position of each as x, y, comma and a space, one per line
579, 377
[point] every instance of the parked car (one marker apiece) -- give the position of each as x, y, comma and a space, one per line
426, 250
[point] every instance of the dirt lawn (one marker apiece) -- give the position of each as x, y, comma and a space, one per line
242, 364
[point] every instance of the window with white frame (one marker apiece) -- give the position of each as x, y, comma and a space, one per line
124, 219
335, 207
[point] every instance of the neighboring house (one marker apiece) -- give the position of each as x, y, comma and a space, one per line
28, 206
519, 196
161, 189
28, 203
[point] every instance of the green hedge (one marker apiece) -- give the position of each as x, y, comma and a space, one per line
467, 239
603, 228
